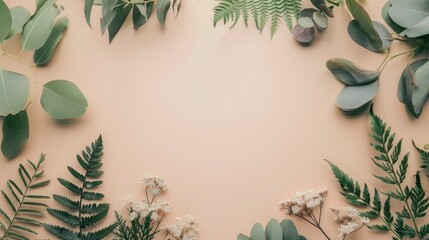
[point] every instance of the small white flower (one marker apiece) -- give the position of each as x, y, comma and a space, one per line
303, 202
349, 219
183, 229
155, 185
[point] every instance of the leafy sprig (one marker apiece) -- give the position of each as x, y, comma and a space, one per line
415, 203
84, 213
25, 205
141, 229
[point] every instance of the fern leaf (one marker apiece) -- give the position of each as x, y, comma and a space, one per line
81, 214
424, 156
22, 221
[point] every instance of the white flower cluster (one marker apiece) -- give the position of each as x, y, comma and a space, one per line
155, 185
349, 219
302, 203
183, 229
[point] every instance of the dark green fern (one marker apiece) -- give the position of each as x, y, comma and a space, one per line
137, 229
86, 211
25, 206
402, 223
424, 156
262, 12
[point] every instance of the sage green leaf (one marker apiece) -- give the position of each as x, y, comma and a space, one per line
5, 20
273, 231
421, 88
385, 14
407, 13
413, 67
418, 30
38, 29
162, 8
20, 17
14, 91
365, 22
88, 9
141, 14
320, 20
242, 237
305, 22
302, 238
409, 84
289, 230
177, 4
63, 100
119, 14
353, 98
107, 14
257, 232
306, 12
360, 37
39, 4
303, 35
351, 74
44, 54
15, 134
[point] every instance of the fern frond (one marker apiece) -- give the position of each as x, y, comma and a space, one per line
24, 205
82, 213
262, 12
135, 230
424, 156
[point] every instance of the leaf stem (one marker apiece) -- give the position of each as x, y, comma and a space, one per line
390, 57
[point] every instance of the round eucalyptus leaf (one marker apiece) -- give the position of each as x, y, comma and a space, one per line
289, 229
273, 231
5, 20
408, 13
418, 30
63, 100
353, 98
351, 74
320, 20
15, 134
303, 35
242, 237
306, 22
421, 88
14, 91
413, 67
325, 9
257, 232
306, 12
361, 38
20, 17
385, 14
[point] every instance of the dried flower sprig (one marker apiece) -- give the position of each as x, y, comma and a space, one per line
349, 219
143, 219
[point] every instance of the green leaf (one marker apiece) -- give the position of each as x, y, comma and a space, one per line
353, 98
15, 134
242, 237
20, 17
65, 217
257, 232
63, 100
413, 67
162, 8
14, 91
421, 89
385, 14
38, 29
5, 19
365, 22
408, 13
94, 219
61, 232
70, 186
349, 73
44, 54
119, 15
360, 37
107, 13
289, 230
9, 202
88, 10
66, 202
76, 174
141, 14
273, 231
40, 184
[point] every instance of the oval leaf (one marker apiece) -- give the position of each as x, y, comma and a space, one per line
15, 134
306, 12
5, 20
141, 14
365, 23
385, 14
273, 231
20, 17
38, 29
242, 237
320, 20
88, 9
44, 54
14, 91
118, 15
305, 22
351, 74
418, 30
407, 13
161, 10
421, 88
63, 100
413, 67
257, 232
360, 37
353, 98
289, 230
303, 35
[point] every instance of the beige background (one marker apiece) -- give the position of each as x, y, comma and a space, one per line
234, 122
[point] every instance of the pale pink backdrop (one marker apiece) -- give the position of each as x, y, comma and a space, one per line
233, 121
